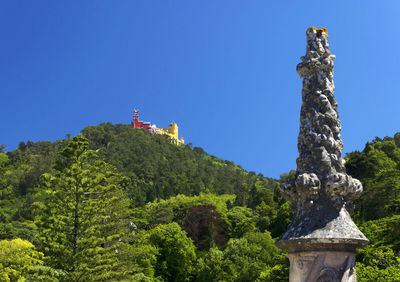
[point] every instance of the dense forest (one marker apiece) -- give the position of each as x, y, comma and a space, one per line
120, 204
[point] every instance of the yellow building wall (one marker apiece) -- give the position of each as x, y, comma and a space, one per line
172, 132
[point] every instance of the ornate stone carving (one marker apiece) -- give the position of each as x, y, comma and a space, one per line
320, 166
322, 237
322, 267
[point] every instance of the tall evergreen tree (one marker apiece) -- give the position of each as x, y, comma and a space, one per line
82, 220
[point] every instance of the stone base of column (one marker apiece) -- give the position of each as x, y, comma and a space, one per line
322, 245
322, 266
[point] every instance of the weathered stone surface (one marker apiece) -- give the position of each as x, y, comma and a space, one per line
322, 228
322, 234
322, 266
320, 166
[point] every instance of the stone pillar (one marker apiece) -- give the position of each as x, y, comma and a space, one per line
322, 238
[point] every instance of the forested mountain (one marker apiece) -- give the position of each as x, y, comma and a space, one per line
159, 169
118, 203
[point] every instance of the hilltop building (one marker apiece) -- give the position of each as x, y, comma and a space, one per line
171, 131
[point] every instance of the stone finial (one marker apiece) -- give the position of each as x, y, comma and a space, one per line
320, 166
322, 238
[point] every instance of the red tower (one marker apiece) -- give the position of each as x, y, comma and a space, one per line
136, 119
139, 124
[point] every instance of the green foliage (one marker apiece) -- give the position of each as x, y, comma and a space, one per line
369, 273
139, 257
241, 220
76, 207
176, 208
17, 258
279, 272
378, 210
243, 259
210, 266
378, 264
3, 159
45, 273
141, 277
383, 232
16, 229
378, 168
155, 186
264, 216
159, 169
282, 220
20, 172
176, 252
82, 216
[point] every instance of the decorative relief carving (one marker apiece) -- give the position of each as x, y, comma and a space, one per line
319, 268
320, 166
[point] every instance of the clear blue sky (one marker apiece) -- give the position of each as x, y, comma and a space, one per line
225, 71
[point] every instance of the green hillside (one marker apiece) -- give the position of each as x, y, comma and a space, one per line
118, 203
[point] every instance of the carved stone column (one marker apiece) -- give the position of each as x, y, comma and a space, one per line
322, 237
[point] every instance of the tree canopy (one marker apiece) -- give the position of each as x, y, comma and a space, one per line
118, 203
82, 217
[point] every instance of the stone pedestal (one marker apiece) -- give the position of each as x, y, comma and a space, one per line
322, 245
322, 238
322, 266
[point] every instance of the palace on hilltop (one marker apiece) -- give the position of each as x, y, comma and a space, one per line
171, 131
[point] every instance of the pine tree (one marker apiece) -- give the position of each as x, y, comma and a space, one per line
82, 223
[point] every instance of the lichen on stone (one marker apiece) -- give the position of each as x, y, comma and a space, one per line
320, 166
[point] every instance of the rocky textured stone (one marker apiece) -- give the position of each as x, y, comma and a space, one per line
320, 166
321, 190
